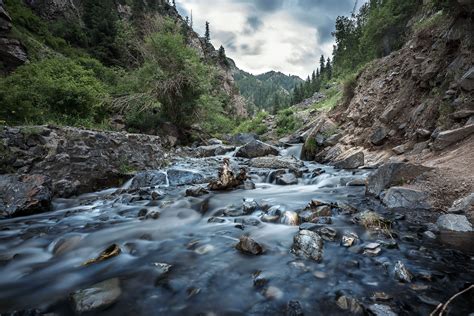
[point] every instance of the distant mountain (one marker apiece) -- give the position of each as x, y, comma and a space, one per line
271, 90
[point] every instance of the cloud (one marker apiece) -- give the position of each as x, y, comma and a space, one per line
262, 35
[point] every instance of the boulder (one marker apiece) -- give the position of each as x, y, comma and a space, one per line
353, 161
255, 149
453, 222
350, 305
213, 150
393, 173
249, 246
249, 206
286, 179
467, 80
24, 195
242, 138
378, 136
400, 197
149, 179
184, 177
448, 138
97, 297
196, 191
308, 244
463, 205
461, 115
289, 218
273, 162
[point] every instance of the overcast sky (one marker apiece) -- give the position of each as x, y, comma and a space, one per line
262, 35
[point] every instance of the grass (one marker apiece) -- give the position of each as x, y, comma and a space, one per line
333, 96
373, 221
287, 122
430, 22
254, 125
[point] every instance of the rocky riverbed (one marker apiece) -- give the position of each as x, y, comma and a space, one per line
295, 238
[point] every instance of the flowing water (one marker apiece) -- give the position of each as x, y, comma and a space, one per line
42, 257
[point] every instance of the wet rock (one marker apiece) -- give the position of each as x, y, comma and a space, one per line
307, 216
381, 310
204, 249
293, 308
267, 218
145, 214
249, 185
308, 244
350, 305
273, 293
256, 149
372, 249
402, 273
448, 138
148, 179
391, 174
162, 268
273, 162
248, 221
381, 297
196, 191
463, 205
249, 206
112, 251
289, 218
259, 280
356, 183
327, 233
309, 226
97, 297
458, 223
349, 239
379, 135
227, 178
286, 179
184, 177
249, 246
400, 197
213, 150
24, 195
216, 220
353, 161
429, 235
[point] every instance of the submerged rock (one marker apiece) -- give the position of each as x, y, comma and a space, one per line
249, 206
327, 233
286, 179
289, 218
350, 305
294, 309
108, 253
458, 223
97, 297
196, 191
349, 239
381, 310
372, 249
227, 178
24, 195
256, 149
402, 273
249, 246
308, 244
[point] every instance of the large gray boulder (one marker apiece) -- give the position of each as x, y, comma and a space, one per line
256, 149
391, 174
242, 138
399, 197
353, 161
448, 138
273, 162
453, 222
213, 150
378, 136
24, 195
184, 177
308, 244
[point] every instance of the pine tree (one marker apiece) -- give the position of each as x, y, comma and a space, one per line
207, 35
222, 56
329, 69
174, 4
322, 63
187, 20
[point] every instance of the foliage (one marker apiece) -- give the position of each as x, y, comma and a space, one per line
333, 96
348, 92
313, 84
56, 89
287, 122
254, 125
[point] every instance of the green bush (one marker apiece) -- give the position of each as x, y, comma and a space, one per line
56, 89
254, 125
287, 122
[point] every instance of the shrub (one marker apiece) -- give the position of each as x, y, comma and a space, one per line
286, 122
56, 89
349, 86
254, 125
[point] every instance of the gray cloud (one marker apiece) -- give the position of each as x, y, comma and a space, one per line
262, 35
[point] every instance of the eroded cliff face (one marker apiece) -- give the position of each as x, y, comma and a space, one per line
12, 52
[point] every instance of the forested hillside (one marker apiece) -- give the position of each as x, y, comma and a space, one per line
269, 91
96, 63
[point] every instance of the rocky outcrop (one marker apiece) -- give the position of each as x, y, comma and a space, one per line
77, 160
458, 223
399, 197
24, 195
350, 161
448, 138
12, 52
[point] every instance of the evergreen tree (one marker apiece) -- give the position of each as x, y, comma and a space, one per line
174, 4
207, 35
222, 56
329, 69
322, 63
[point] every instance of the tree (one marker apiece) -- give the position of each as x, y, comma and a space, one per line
174, 4
322, 66
222, 56
329, 69
207, 35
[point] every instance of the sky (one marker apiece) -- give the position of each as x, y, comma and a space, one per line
263, 35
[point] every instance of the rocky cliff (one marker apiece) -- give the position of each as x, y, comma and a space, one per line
12, 52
